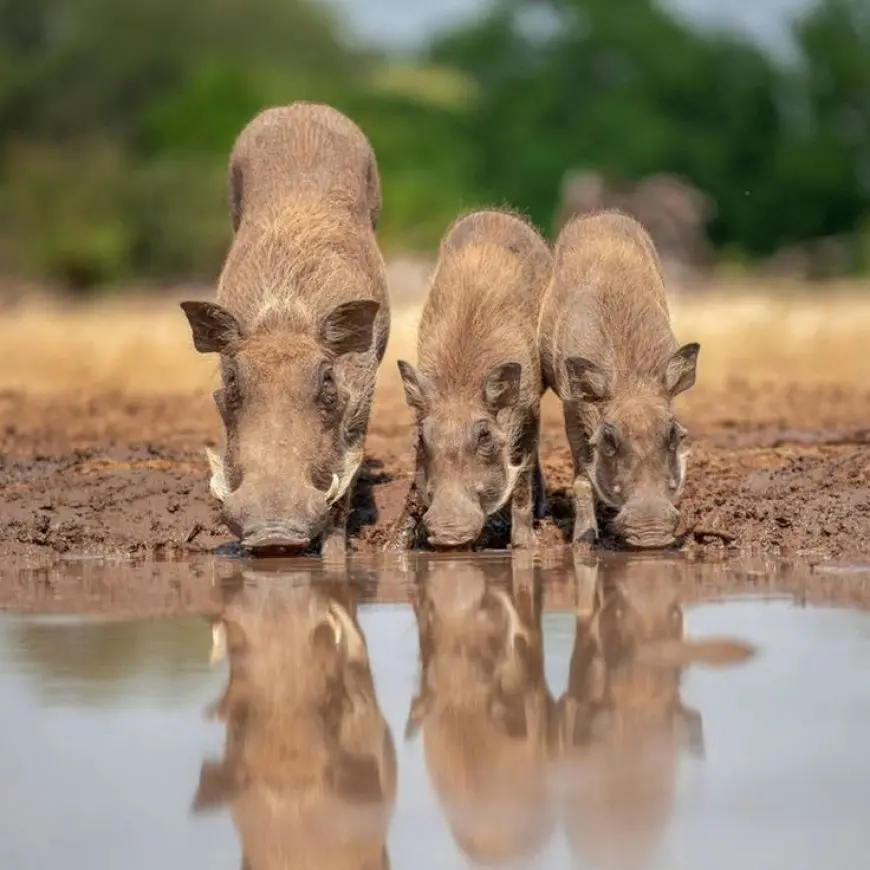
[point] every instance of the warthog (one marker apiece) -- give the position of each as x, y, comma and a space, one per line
309, 765
622, 723
484, 711
301, 324
608, 352
476, 392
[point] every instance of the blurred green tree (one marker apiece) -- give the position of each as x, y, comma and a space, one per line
116, 120
629, 88
104, 65
824, 178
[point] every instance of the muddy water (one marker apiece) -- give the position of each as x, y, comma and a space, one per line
554, 719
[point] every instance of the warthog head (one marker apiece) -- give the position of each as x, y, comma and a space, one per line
465, 445
309, 767
623, 726
637, 457
484, 714
293, 434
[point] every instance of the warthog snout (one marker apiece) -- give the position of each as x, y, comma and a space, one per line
265, 520
264, 537
649, 523
454, 519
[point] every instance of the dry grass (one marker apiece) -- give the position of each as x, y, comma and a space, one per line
142, 346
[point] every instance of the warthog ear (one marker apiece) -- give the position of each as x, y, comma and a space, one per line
213, 327
349, 327
416, 715
414, 386
680, 369
218, 642
216, 786
691, 730
721, 652
501, 389
586, 381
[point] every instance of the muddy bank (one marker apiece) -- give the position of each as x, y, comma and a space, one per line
150, 586
779, 470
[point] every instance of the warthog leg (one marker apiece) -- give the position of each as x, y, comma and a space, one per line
413, 509
585, 523
334, 539
539, 485
522, 533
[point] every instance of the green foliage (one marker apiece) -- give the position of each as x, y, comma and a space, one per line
425, 155
116, 121
64, 213
628, 89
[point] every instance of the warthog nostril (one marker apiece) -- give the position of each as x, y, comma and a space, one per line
649, 525
453, 531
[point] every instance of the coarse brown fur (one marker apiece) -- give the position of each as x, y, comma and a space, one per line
309, 765
483, 708
608, 351
301, 324
477, 387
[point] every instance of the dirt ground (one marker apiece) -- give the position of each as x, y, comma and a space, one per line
105, 412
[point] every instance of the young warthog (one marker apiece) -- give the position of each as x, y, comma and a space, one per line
608, 352
477, 389
484, 711
622, 723
301, 326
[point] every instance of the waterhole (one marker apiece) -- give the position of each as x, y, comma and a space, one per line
436, 712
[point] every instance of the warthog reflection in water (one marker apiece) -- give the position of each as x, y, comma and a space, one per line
622, 722
483, 708
309, 765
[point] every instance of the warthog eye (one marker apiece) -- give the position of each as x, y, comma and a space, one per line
327, 393
676, 434
229, 397
608, 441
484, 443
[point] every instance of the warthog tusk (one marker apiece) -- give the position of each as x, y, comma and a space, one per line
334, 492
218, 643
218, 483
513, 473
515, 625
345, 631
335, 625
340, 483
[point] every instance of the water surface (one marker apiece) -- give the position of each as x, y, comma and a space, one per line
547, 725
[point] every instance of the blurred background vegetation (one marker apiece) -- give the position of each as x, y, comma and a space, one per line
116, 121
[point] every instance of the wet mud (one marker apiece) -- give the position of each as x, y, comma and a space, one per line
779, 469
